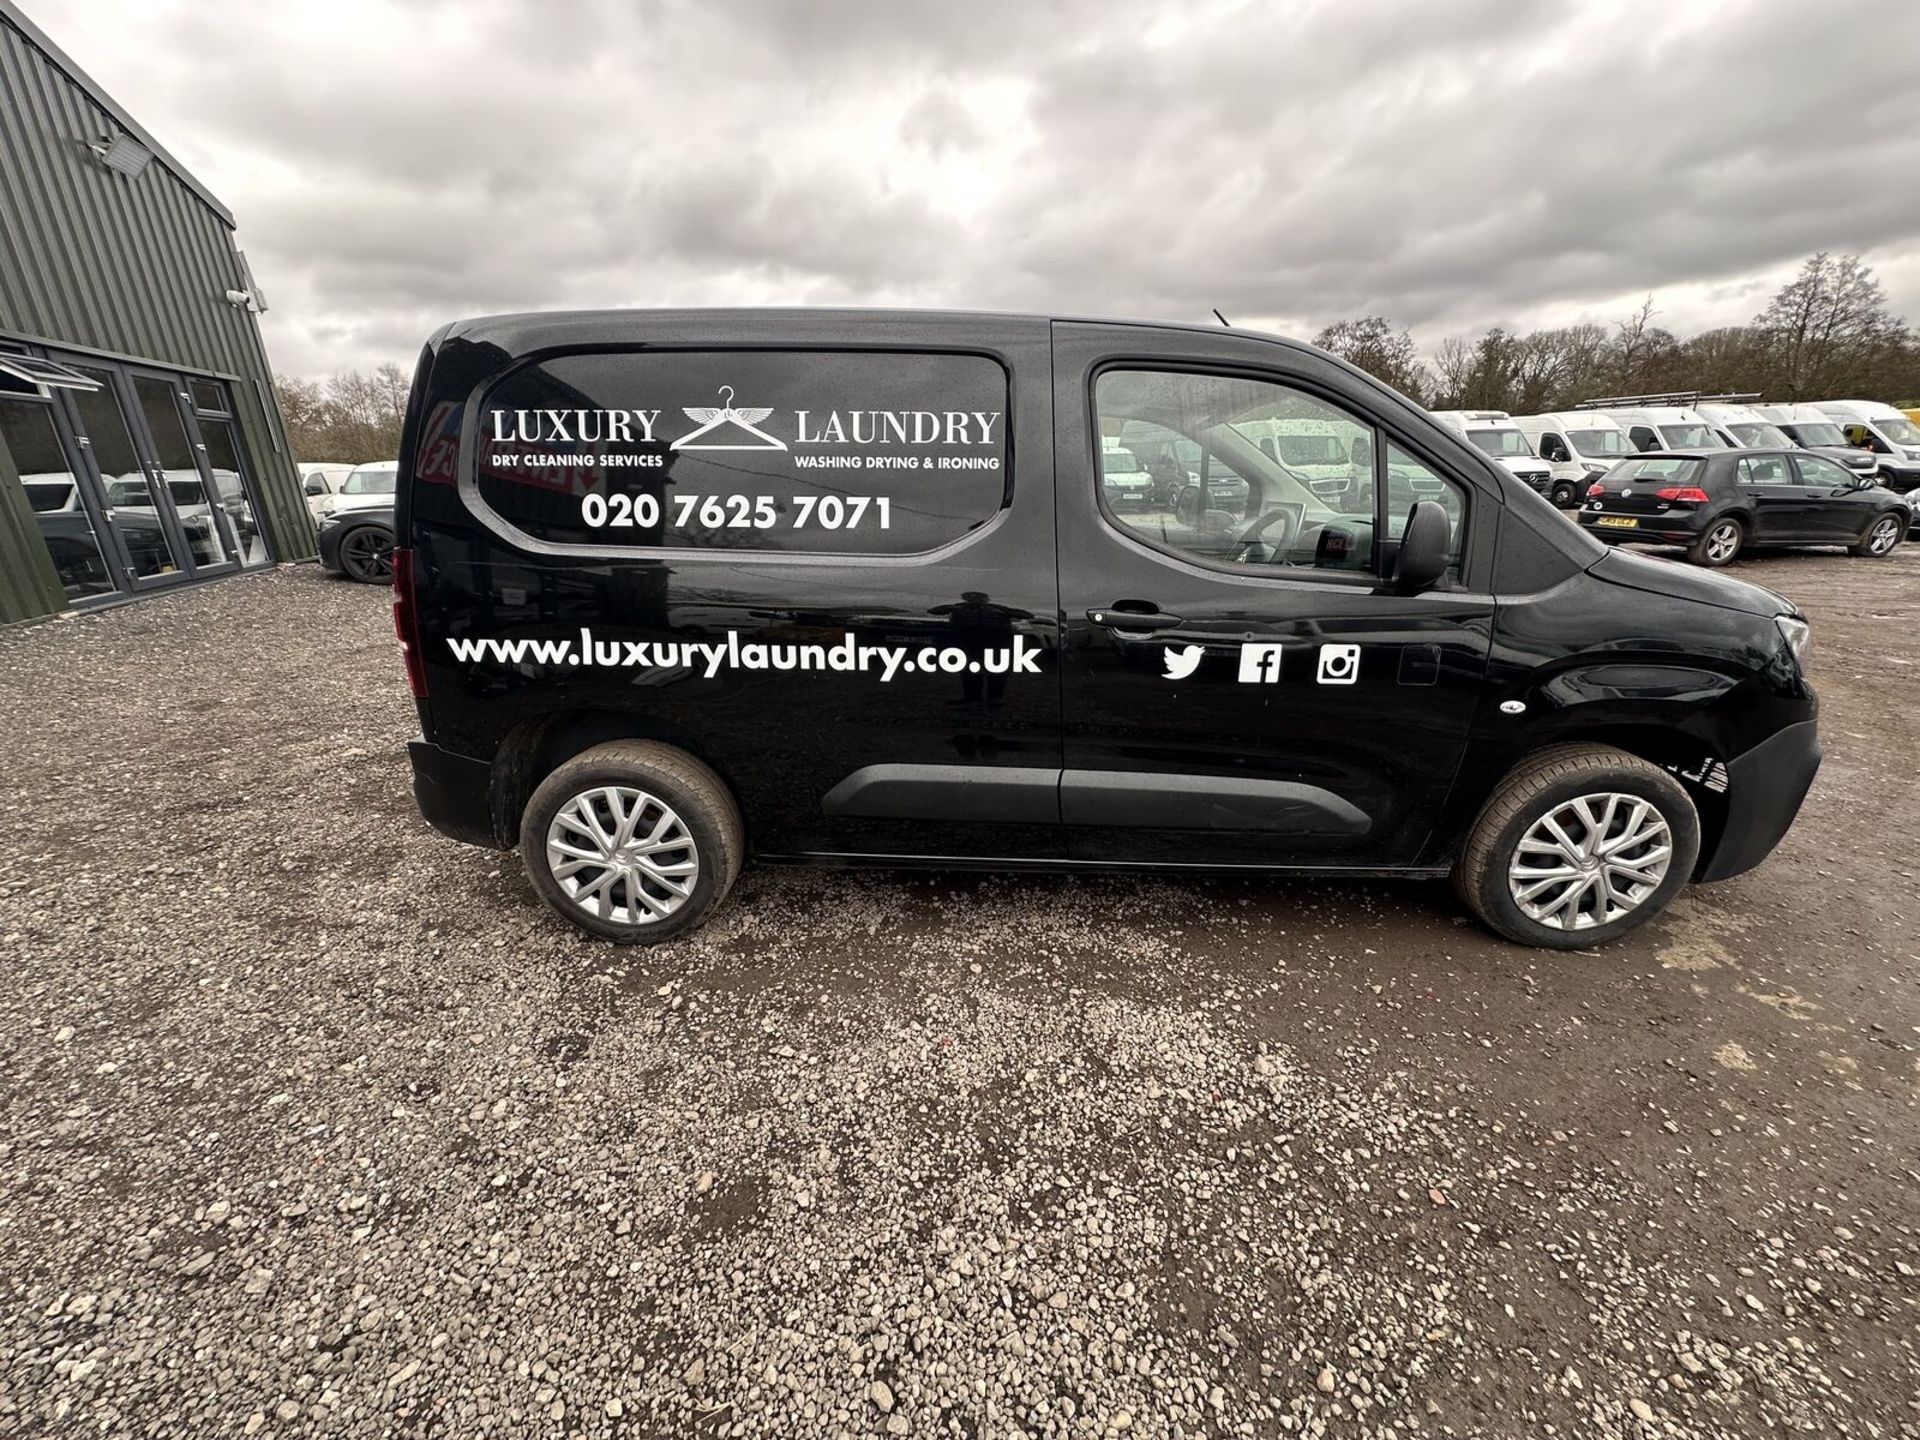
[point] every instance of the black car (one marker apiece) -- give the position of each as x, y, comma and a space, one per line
1718, 502
358, 544
676, 589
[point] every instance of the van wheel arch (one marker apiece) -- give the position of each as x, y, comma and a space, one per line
536, 748
1679, 752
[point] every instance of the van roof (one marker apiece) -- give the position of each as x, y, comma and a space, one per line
1656, 414
799, 318
1731, 414
1485, 419
1858, 409
1571, 420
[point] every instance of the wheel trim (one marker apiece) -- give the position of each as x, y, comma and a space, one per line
1590, 861
368, 555
622, 855
1723, 540
1884, 534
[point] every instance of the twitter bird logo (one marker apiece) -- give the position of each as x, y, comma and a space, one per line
1182, 662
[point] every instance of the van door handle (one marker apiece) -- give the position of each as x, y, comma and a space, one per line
1135, 619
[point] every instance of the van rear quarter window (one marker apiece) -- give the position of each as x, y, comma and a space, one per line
799, 451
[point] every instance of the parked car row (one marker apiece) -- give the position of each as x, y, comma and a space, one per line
355, 514
330, 486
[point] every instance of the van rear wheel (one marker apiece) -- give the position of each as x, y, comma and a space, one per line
1577, 846
633, 841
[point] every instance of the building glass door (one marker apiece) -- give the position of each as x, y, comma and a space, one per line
151, 548
136, 476
63, 507
177, 463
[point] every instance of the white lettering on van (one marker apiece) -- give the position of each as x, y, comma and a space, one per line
896, 427
566, 427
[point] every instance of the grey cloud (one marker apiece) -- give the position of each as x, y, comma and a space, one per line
397, 168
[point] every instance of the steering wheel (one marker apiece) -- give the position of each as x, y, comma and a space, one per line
1252, 547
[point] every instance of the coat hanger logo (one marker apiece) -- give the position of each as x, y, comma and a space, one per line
728, 421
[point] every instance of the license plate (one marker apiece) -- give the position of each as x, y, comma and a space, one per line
1618, 522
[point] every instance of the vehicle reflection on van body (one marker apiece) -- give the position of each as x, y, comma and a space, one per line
776, 612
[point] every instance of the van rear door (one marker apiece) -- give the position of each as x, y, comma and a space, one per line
815, 550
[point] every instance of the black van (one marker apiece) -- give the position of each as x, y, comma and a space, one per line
677, 587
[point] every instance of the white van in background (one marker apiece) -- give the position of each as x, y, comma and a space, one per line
1579, 446
1751, 427
1659, 422
320, 483
1887, 433
1494, 432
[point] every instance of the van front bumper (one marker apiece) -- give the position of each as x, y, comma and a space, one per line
451, 791
1764, 789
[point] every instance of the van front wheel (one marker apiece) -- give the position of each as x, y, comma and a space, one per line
632, 841
1577, 846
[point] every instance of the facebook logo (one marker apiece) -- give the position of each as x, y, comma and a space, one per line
1259, 664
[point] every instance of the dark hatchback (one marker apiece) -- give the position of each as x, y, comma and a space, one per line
680, 589
358, 544
1719, 502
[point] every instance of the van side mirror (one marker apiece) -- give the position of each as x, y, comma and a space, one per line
1556, 452
1423, 548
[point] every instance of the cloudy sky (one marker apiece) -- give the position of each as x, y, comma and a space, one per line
396, 165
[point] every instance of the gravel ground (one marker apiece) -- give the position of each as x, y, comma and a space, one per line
315, 1123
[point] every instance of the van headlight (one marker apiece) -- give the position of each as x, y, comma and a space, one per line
1798, 635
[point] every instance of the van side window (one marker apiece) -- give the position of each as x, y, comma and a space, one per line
794, 451
1222, 489
1553, 448
1644, 438
1765, 470
1408, 483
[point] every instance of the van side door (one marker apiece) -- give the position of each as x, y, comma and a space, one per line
1238, 685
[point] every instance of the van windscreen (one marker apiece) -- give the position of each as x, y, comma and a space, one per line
1599, 442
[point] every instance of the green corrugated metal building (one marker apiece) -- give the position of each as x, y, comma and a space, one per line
141, 446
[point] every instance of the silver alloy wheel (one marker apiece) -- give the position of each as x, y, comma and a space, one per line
622, 855
1884, 535
1723, 541
1590, 861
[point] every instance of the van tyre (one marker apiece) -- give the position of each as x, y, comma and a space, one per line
1566, 495
1718, 543
1882, 536
1578, 845
633, 841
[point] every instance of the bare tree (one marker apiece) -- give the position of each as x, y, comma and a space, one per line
1453, 368
1828, 327
1372, 344
352, 416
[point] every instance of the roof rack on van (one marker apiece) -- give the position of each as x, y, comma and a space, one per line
1669, 400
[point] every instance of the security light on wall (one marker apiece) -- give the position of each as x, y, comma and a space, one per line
122, 153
